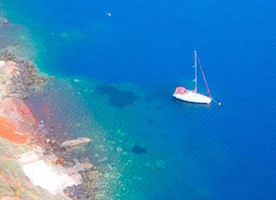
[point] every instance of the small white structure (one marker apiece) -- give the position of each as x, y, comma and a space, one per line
76, 142
50, 178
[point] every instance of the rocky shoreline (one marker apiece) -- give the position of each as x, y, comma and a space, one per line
19, 126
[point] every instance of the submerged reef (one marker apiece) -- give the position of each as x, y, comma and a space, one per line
116, 97
138, 149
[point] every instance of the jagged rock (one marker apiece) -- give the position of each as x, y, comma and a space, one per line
5, 22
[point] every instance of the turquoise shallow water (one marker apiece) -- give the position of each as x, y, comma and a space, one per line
127, 67
114, 132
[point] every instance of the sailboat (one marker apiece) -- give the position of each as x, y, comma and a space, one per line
193, 96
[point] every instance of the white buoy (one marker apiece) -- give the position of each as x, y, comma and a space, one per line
109, 14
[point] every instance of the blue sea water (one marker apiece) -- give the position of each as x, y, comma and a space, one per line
119, 73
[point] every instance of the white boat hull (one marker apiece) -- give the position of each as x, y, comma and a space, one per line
193, 97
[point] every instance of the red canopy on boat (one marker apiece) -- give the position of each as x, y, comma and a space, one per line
180, 89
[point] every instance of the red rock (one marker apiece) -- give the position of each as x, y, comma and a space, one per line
60, 161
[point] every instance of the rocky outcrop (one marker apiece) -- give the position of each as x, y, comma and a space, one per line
18, 77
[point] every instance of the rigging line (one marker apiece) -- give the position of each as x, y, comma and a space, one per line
204, 78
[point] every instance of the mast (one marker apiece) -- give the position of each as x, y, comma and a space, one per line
195, 80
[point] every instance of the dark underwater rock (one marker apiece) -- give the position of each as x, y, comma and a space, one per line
150, 122
117, 98
138, 149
